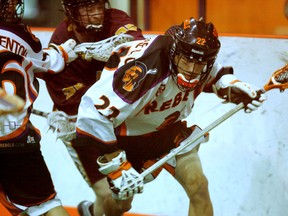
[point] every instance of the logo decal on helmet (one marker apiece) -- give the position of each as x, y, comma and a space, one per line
215, 33
201, 41
186, 24
197, 51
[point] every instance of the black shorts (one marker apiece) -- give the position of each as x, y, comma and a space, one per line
138, 149
24, 176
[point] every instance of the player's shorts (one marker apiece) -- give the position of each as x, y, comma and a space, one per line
139, 149
24, 177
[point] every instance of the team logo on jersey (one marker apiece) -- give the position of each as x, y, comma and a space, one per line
31, 139
134, 75
72, 90
134, 79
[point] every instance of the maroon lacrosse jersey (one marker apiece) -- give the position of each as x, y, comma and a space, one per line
67, 87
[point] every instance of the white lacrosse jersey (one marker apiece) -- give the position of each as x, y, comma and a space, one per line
19, 39
136, 94
17, 78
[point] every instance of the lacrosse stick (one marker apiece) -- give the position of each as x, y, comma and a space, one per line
278, 80
59, 121
10, 103
101, 50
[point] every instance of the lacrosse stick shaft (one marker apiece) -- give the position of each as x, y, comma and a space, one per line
281, 78
193, 141
40, 113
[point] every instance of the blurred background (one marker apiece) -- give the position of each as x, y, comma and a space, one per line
262, 17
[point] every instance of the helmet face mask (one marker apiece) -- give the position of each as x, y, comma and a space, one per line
11, 11
189, 72
195, 45
86, 15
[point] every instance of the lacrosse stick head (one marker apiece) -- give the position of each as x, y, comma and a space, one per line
101, 50
11, 11
86, 15
278, 80
63, 125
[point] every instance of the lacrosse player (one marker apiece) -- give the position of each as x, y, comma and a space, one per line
26, 187
87, 21
134, 114
18, 38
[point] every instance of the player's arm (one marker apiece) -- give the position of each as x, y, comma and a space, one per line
57, 56
99, 113
229, 88
124, 31
96, 127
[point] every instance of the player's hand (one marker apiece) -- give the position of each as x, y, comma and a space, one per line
235, 91
66, 49
124, 180
10, 103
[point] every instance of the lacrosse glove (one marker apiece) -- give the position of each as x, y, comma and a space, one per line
235, 91
63, 124
66, 49
123, 179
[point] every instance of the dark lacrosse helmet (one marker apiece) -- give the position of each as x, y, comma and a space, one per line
84, 22
193, 52
11, 11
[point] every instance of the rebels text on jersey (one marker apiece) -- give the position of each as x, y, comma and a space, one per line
136, 94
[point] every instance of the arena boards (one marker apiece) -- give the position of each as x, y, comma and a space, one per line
245, 159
